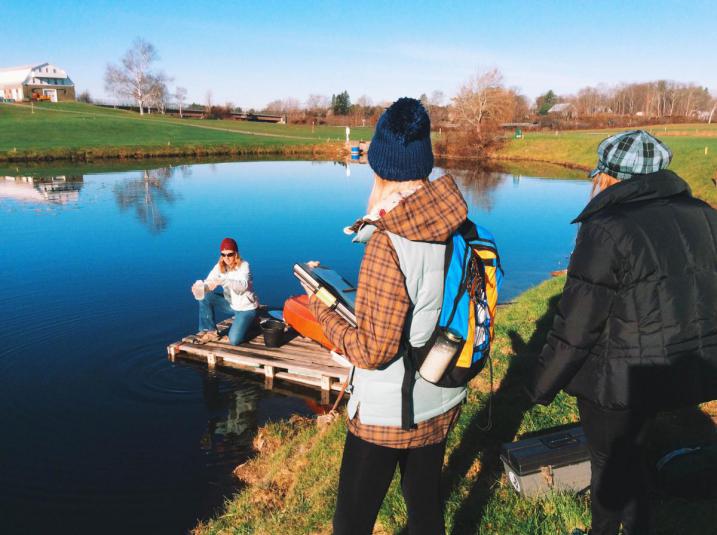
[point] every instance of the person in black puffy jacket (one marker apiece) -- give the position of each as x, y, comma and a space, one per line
636, 327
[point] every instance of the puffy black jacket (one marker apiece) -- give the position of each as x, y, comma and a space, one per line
637, 322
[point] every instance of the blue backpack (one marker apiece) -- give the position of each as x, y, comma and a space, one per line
472, 280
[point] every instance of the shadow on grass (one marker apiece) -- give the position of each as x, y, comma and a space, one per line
685, 505
509, 406
683, 495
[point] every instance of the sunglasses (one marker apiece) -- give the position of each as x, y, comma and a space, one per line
228, 254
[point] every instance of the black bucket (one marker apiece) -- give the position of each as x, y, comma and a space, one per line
273, 331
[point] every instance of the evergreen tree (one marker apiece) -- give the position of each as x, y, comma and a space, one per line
341, 103
546, 101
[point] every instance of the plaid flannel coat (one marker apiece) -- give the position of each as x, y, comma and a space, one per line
432, 214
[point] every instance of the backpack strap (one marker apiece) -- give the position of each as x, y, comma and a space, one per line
409, 381
468, 230
413, 357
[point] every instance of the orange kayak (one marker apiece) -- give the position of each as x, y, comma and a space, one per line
298, 316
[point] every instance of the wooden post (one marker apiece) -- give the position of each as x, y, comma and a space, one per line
268, 377
172, 350
211, 360
325, 390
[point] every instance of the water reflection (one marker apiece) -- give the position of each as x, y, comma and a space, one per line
176, 436
232, 414
477, 183
150, 196
63, 189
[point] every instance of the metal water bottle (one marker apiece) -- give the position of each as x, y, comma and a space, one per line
445, 347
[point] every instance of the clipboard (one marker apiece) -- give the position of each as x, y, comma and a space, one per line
330, 288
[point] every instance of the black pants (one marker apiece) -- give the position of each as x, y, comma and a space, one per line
618, 485
366, 473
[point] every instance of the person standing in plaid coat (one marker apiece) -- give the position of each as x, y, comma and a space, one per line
399, 293
636, 328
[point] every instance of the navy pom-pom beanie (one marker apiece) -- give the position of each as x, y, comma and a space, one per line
401, 145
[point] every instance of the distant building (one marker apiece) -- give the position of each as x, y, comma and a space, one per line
50, 189
43, 80
565, 110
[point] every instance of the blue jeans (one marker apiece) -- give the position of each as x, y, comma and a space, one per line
215, 304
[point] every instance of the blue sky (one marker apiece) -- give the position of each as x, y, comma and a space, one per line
250, 53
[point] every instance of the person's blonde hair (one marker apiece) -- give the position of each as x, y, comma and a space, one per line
382, 188
601, 182
223, 267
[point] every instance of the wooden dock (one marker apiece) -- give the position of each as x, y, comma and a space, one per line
299, 360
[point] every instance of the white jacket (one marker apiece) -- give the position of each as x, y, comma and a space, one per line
238, 286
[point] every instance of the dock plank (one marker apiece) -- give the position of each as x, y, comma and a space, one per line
299, 361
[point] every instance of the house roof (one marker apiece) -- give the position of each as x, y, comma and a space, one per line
560, 108
13, 76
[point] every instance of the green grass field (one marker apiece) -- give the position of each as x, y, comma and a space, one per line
687, 141
290, 486
54, 129
73, 130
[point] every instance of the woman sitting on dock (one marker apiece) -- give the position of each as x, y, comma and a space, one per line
238, 298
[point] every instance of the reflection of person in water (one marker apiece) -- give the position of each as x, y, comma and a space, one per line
231, 413
237, 299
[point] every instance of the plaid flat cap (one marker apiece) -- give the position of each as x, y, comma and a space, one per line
631, 153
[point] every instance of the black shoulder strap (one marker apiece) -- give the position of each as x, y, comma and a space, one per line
468, 230
409, 381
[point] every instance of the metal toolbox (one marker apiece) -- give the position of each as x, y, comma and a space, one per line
554, 459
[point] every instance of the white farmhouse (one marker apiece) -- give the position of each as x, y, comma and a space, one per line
39, 82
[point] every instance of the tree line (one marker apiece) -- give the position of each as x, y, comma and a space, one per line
659, 99
471, 118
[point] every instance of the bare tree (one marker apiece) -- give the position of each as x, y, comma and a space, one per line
158, 93
180, 95
286, 105
134, 78
482, 97
317, 104
208, 102
520, 106
84, 97
364, 101
291, 105
275, 106
437, 98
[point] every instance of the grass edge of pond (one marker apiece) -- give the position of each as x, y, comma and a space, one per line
292, 480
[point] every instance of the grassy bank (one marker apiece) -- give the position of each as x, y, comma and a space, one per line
291, 483
578, 148
77, 131
82, 132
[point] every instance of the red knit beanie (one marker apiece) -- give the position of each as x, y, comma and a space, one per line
228, 245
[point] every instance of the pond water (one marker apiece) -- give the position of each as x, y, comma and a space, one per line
100, 432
